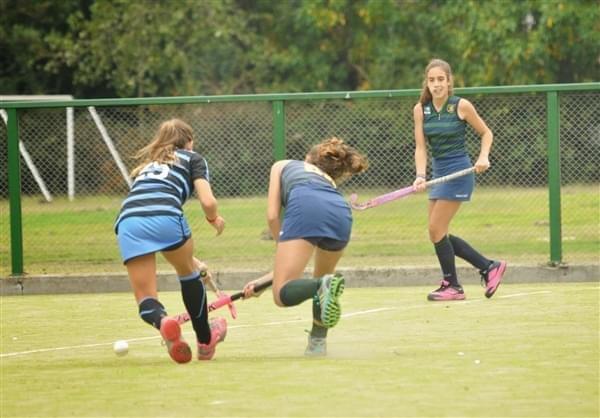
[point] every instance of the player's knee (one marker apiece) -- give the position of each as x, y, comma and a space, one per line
277, 298
435, 234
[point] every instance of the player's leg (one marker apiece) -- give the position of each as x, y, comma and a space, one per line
332, 285
491, 271
142, 276
325, 263
291, 258
441, 213
193, 293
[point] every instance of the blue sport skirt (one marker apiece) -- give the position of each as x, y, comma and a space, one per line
459, 189
141, 235
314, 212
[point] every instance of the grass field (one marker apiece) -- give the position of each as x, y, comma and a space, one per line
532, 351
77, 237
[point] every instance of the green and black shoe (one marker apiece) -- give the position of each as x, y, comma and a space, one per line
332, 287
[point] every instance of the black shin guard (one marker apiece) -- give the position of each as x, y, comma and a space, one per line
463, 250
297, 291
445, 255
194, 299
152, 311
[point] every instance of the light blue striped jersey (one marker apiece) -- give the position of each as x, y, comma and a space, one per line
444, 130
162, 189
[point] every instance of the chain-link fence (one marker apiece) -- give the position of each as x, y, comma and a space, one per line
75, 162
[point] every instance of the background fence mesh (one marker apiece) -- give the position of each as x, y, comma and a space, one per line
508, 215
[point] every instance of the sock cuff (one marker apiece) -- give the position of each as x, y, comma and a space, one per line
443, 241
195, 275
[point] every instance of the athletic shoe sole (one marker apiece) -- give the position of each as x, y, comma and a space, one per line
179, 350
442, 298
331, 310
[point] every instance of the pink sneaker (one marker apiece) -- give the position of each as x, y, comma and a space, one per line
179, 350
447, 292
218, 331
492, 277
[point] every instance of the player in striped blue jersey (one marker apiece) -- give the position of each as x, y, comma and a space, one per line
151, 220
440, 121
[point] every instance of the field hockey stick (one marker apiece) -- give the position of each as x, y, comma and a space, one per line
205, 275
228, 299
400, 193
207, 279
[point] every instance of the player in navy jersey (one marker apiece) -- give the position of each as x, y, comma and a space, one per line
151, 220
318, 221
440, 121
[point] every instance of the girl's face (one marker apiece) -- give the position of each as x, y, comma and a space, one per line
438, 83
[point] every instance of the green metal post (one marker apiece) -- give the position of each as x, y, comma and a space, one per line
552, 119
278, 130
14, 192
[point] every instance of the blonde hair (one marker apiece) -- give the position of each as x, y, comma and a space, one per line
337, 159
436, 62
172, 135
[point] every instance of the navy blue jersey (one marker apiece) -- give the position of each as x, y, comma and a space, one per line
162, 189
300, 172
444, 130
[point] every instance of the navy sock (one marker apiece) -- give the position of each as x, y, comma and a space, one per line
194, 299
463, 250
317, 330
445, 255
297, 291
152, 311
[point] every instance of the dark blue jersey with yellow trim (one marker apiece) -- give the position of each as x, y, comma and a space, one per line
444, 130
162, 189
300, 172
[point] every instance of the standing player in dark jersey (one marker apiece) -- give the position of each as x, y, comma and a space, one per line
440, 119
317, 220
151, 220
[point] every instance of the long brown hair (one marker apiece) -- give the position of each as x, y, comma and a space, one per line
436, 62
172, 135
336, 158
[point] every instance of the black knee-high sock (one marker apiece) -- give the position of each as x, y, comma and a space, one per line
297, 291
317, 330
194, 299
152, 311
463, 250
445, 254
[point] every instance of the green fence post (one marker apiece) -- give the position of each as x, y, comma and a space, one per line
14, 192
278, 130
552, 119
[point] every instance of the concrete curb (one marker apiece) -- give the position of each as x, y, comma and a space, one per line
228, 280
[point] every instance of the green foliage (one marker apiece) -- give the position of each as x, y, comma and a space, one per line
99, 48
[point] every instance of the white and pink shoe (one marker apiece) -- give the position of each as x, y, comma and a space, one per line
218, 331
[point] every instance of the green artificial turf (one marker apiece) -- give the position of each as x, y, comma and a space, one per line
532, 350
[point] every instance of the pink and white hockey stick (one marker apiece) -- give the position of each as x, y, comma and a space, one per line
227, 300
399, 194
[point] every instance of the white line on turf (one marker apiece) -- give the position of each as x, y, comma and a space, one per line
290, 321
516, 295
